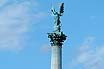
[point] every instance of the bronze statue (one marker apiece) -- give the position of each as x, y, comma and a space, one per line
57, 17
57, 37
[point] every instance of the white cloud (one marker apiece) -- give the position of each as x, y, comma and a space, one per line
3, 2
89, 56
45, 48
15, 20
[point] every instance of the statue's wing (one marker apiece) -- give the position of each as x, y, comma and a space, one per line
62, 8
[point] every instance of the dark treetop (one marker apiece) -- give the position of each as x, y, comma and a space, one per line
57, 37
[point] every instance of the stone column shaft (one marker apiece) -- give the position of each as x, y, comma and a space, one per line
56, 58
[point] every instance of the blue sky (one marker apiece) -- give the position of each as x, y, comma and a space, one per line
23, 34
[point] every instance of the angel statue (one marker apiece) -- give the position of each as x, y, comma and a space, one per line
57, 17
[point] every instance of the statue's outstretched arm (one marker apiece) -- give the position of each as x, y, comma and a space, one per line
53, 11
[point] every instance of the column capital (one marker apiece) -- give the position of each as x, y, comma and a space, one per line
57, 39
